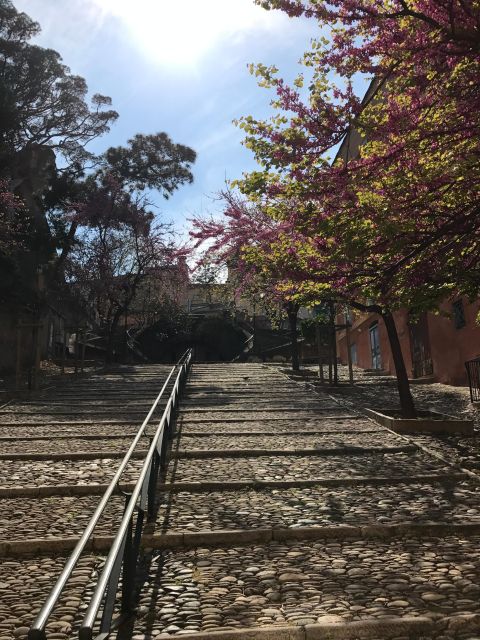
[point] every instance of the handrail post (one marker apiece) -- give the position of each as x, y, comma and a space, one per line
109, 595
152, 485
128, 570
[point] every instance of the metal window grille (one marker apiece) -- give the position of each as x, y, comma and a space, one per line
473, 372
458, 314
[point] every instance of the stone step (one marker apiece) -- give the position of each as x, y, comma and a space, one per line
319, 423
364, 440
55, 517
287, 418
17, 548
203, 430
409, 502
180, 454
242, 383
258, 484
299, 467
296, 584
83, 404
25, 584
69, 429
414, 628
73, 455
195, 415
79, 412
17, 473
88, 422
97, 489
262, 393
66, 445
66, 436
221, 404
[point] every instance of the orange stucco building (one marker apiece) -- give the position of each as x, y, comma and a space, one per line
435, 346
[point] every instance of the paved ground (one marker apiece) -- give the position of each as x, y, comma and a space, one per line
376, 391
284, 512
381, 390
344, 533
68, 439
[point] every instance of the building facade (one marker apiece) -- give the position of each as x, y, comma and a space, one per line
435, 346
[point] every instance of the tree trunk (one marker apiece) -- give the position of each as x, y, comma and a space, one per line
349, 353
333, 342
320, 354
406, 401
292, 313
111, 335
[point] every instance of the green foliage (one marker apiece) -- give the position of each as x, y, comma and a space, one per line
41, 102
153, 162
171, 320
309, 328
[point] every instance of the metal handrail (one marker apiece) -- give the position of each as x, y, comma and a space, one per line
37, 630
105, 583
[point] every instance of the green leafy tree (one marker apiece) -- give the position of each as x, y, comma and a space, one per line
151, 162
41, 101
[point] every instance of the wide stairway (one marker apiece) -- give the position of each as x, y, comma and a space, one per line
286, 516
59, 450
281, 514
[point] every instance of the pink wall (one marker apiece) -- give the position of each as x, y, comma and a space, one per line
449, 347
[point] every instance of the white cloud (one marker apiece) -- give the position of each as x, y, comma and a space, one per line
182, 33
72, 30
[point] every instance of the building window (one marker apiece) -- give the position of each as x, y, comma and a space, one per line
458, 314
375, 346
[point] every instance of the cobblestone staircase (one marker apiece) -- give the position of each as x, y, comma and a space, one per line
285, 515
58, 452
281, 515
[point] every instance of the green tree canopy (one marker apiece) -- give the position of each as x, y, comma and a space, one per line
41, 101
152, 162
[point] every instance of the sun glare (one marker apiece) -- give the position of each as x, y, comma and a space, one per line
180, 33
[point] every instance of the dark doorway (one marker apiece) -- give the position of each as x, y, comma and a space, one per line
420, 346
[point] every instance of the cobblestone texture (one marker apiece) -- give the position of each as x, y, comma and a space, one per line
215, 588
302, 468
28, 473
26, 583
320, 425
55, 516
291, 415
209, 589
322, 441
370, 391
76, 406
462, 451
66, 446
374, 391
89, 421
73, 430
318, 506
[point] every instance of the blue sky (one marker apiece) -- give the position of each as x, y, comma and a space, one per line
176, 67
